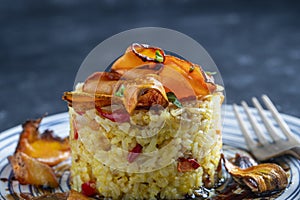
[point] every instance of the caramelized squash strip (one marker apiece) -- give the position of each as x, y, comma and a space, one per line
138, 55
28, 170
131, 93
45, 147
146, 74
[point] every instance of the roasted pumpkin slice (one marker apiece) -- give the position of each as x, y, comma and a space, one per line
82, 101
198, 79
138, 55
28, 170
130, 92
101, 82
45, 147
135, 91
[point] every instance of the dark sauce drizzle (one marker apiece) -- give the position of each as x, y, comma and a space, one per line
228, 189
225, 189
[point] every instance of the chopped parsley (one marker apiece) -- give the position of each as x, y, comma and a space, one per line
192, 68
120, 91
158, 56
172, 98
210, 73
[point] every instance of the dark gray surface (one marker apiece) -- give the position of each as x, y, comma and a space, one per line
256, 46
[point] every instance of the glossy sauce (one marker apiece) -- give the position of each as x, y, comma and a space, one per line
228, 189
225, 189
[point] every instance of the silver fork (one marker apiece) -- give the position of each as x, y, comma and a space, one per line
267, 147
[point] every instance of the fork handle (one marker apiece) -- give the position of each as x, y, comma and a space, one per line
295, 151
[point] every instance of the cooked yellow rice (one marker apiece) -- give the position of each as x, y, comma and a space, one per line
100, 153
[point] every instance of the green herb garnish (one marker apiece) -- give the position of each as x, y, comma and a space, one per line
172, 98
210, 73
158, 56
192, 68
120, 91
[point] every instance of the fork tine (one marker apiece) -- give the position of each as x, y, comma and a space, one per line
282, 124
269, 126
250, 142
260, 136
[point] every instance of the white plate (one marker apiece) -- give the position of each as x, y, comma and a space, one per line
232, 136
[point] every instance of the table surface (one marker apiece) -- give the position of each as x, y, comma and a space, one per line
256, 46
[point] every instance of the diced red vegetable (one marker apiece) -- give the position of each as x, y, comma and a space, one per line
134, 153
115, 116
187, 164
75, 130
88, 188
80, 112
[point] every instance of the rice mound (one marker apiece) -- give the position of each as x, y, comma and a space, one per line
101, 150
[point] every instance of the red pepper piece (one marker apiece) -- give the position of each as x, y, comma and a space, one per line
88, 188
115, 116
187, 164
134, 153
80, 112
75, 130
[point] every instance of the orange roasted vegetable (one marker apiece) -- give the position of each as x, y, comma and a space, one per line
28, 170
45, 147
136, 55
101, 82
82, 101
139, 54
141, 78
141, 92
136, 90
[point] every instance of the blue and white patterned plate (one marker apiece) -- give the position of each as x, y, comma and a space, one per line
232, 136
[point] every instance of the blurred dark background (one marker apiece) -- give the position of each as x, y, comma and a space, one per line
256, 45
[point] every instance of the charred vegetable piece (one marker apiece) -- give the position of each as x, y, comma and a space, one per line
45, 147
82, 101
266, 177
28, 170
131, 93
187, 164
136, 90
134, 153
142, 70
101, 83
243, 161
150, 98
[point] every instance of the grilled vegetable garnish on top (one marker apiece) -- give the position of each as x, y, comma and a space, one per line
141, 54
141, 78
